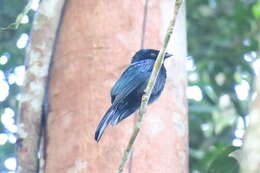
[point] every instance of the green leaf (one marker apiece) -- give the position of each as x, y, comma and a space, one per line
256, 10
223, 163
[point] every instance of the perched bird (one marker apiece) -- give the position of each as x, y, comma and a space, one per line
128, 90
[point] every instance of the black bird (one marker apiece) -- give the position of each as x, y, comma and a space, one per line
128, 90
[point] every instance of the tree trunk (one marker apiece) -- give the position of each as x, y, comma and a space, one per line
96, 42
251, 151
38, 58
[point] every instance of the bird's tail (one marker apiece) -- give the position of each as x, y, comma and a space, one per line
103, 123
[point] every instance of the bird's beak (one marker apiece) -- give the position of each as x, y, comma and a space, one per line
167, 55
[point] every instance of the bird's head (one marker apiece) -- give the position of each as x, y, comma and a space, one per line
147, 54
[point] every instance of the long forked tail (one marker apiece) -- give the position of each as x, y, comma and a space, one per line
103, 123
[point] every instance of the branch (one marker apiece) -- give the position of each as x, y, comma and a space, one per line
19, 18
38, 56
150, 86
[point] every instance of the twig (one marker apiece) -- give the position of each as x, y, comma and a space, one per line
141, 47
19, 18
149, 88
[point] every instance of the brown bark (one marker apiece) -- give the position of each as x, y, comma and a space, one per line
96, 43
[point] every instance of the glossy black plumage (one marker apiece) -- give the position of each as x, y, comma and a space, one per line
127, 92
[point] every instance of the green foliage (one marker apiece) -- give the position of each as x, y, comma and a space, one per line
220, 35
222, 162
6, 150
19, 18
256, 10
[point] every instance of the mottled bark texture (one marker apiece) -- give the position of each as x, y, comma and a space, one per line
95, 45
250, 162
37, 66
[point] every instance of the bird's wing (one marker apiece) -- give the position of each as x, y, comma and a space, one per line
136, 75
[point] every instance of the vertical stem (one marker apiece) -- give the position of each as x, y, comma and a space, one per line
144, 23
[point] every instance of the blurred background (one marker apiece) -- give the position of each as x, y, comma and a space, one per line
223, 48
